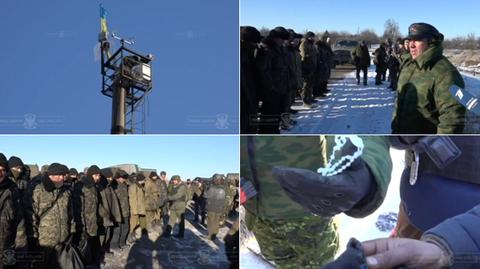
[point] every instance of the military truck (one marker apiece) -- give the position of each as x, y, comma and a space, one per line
342, 51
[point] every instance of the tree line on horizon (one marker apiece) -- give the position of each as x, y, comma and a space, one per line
392, 31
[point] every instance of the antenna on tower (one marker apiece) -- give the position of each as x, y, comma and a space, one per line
126, 78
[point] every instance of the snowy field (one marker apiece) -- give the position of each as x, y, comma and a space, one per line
348, 109
362, 229
356, 109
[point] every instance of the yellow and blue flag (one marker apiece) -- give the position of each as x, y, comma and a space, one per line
103, 19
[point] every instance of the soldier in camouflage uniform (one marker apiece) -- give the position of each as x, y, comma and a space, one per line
110, 209
216, 199
136, 197
153, 197
230, 192
11, 215
309, 53
424, 104
86, 214
52, 215
120, 233
178, 196
165, 204
288, 234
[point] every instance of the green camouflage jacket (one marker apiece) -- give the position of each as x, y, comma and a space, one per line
424, 104
307, 152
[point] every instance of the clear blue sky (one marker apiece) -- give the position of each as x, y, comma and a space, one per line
47, 65
452, 18
187, 156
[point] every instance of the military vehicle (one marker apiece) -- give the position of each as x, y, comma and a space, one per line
342, 51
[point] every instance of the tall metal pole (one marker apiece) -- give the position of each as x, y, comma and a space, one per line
118, 109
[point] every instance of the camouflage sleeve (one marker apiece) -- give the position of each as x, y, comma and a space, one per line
21, 235
70, 213
180, 194
377, 157
35, 212
452, 114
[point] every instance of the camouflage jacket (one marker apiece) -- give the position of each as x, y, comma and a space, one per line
122, 193
260, 154
361, 56
152, 194
86, 204
136, 197
12, 228
424, 103
178, 197
52, 216
308, 53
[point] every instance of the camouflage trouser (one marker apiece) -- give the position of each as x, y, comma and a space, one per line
213, 222
153, 216
307, 88
136, 220
308, 242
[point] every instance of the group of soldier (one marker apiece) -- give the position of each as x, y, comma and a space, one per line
98, 212
388, 56
277, 68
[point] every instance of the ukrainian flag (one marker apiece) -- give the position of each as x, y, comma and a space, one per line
103, 19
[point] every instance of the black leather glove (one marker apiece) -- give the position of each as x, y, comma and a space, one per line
352, 258
326, 195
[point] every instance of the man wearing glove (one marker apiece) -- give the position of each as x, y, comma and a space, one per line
282, 170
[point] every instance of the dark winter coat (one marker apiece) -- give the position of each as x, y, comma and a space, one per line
110, 207
436, 188
460, 236
216, 198
424, 104
272, 66
11, 215
122, 193
380, 59
361, 56
248, 86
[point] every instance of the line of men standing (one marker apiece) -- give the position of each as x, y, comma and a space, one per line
94, 212
275, 69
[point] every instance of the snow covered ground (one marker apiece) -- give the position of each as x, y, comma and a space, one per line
356, 109
156, 252
362, 229
348, 109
